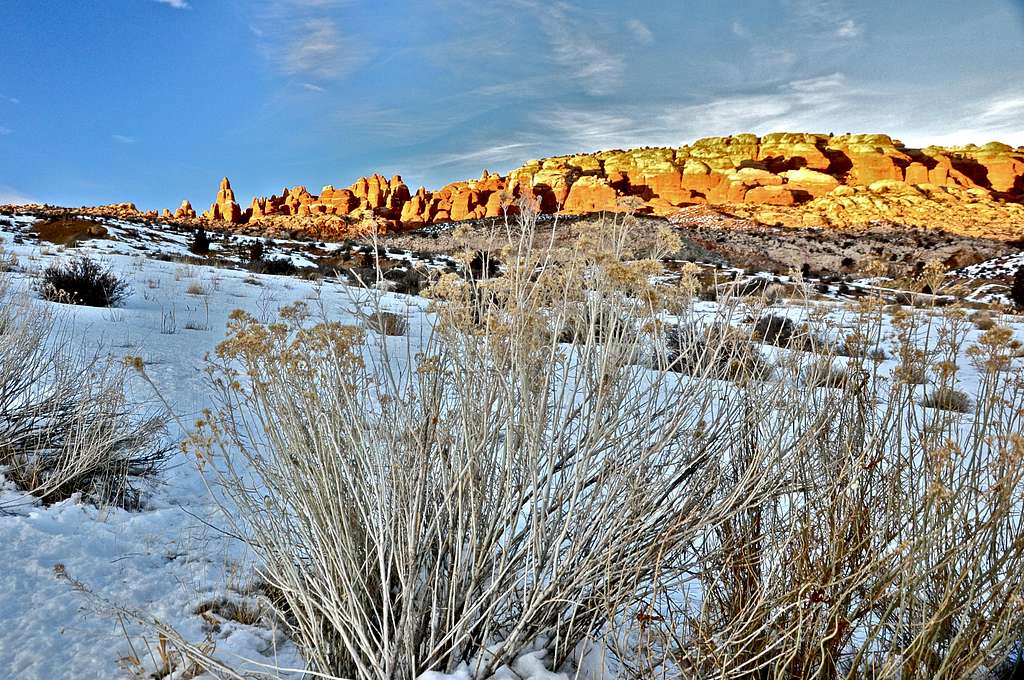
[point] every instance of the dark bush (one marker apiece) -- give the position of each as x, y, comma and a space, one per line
256, 251
948, 399
200, 244
275, 266
407, 281
1017, 289
83, 282
774, 330
717, 351
484, 265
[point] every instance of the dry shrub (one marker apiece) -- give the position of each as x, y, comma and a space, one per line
386, 323
67, 423
82, 281
496, 492
718, 350
915, 373
947, 399
827, 373
982, 320
509, 494
773, 329
593, 321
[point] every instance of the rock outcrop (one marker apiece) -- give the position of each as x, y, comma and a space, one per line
185, 211
804, 176
224, 208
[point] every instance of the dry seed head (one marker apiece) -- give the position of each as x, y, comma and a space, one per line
667, 240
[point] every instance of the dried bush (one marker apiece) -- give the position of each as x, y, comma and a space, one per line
774, 330
826, 373
67, 424
507, 493
595, 321
386, 323
947, 399
82, 281
714, 351
276, 266
982, 320
490, 491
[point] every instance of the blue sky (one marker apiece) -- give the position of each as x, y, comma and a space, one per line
154, 100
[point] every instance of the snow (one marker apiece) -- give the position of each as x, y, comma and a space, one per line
167, 559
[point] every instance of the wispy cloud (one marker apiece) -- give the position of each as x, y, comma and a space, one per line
9, 100
997, 118
640, 31
828, 19
176, 4
313, 87
739, 29
1004, 107
123, 139
576, 48
5, 130
805, 104
829, 103
493, 155
849, 29
306, 40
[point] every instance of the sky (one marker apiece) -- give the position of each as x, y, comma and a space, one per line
153, 101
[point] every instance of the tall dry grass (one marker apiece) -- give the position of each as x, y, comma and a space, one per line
638, 484
68, 422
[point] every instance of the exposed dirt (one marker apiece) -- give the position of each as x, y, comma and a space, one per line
68, 231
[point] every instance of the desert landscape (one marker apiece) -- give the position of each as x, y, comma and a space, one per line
669, 401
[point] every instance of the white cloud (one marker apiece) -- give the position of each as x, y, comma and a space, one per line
829, 103
9, 100
10, 195
1004, 107
576, 49
316, 52
999, 118
489, 154
848, 30
640, 31
816, 104
5, 130
123, 139
312, 87
739, 30
828, 23
306, 40
176, 4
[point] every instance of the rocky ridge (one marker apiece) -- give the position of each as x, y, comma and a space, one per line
788, 179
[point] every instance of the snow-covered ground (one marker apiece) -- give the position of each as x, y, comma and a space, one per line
165, 560
169, 558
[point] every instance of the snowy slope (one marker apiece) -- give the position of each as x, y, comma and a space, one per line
166, 560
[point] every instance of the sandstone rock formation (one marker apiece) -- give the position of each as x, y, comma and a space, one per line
224, 208
802, 177
184, 211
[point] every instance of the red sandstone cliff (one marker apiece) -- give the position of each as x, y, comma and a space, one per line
773, 173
